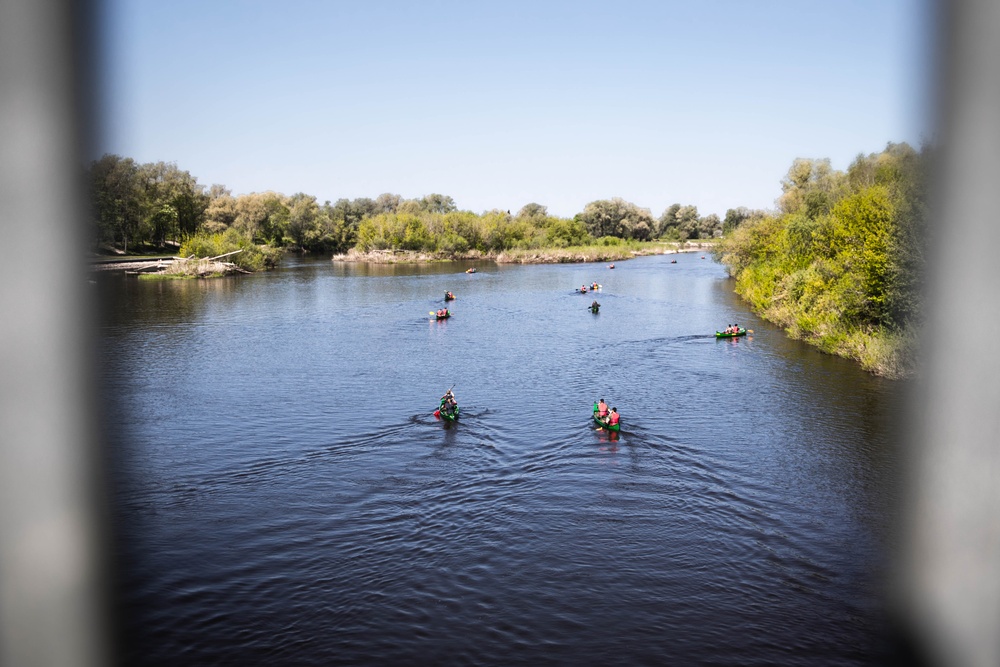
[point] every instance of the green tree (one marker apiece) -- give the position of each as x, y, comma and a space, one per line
562, 233
708, 226
260, 216
734, 218
807, 176
221, 212
117, 199
687, 222
175, 202
862, 240
435, 203
304, 229
387, 203
667, 223
532, 210
617, 217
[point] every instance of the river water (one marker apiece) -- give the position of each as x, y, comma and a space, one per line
284, 495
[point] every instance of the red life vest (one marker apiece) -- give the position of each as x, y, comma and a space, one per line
614, 418
602, 409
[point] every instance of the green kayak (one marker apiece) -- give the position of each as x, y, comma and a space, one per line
448, 416
600, 422
741, 332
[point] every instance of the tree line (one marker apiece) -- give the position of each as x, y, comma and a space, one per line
840, 262
138, 206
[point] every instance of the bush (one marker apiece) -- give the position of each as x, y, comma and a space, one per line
251, 257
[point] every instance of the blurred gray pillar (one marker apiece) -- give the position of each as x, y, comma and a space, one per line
951, 560
51, 609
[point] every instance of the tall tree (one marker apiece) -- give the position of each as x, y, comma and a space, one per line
303, 220
667, 224
116, 197
436, 203
174, 202
532, 210
387, 203
617, 217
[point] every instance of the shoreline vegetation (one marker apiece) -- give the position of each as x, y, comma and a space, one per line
838, 264
577, 254
150, 207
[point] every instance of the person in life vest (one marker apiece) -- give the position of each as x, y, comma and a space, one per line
595, 306
613, 417
602, 409
583, 288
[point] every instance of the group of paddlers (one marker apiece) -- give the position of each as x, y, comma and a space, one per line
610, 418
732, 328
443, 312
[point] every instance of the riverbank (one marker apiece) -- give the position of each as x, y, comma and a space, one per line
166, 267
580, 254
889, 354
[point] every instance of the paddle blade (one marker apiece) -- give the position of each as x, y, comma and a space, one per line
437, 413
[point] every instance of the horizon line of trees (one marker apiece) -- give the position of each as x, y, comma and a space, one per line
155, 204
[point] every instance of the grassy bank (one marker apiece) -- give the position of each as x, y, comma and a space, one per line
884, 351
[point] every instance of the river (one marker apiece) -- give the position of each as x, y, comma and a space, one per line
283, 493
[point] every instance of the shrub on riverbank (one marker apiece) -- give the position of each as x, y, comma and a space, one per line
839, 266
251, 257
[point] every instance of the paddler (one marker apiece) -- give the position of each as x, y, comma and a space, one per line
448, 402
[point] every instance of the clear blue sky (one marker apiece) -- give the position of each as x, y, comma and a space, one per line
498, 104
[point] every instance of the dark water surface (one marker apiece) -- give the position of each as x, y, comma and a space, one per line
285, 496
